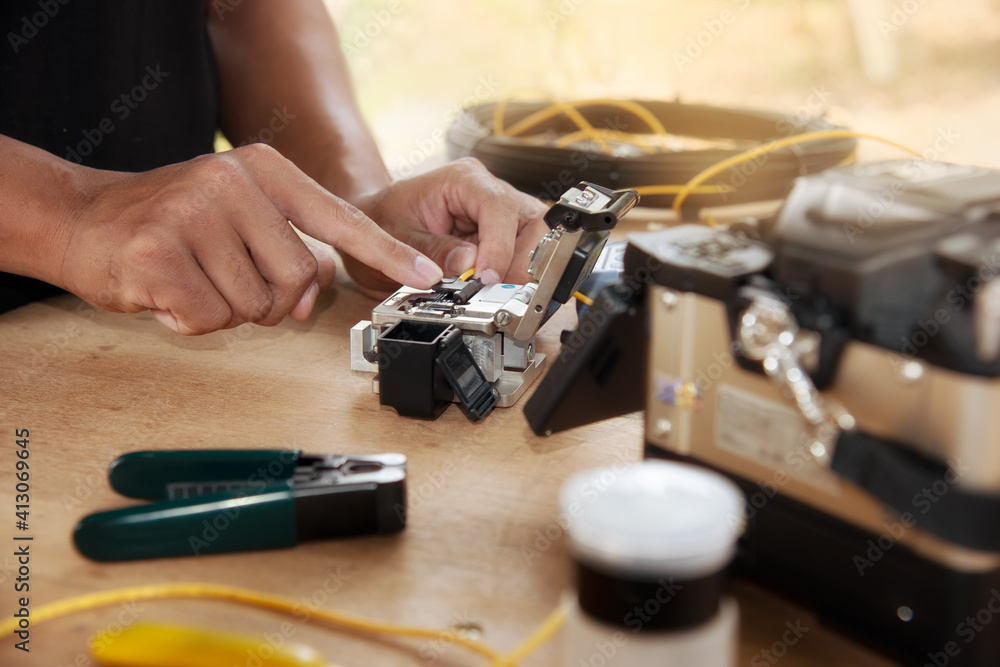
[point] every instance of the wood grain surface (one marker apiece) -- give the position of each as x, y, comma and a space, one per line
483, 548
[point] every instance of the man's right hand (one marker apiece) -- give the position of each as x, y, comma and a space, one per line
207, 244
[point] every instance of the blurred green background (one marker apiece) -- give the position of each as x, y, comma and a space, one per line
911, 70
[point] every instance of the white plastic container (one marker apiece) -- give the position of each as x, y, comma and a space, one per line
650, 543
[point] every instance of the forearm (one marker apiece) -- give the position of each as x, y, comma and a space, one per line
41, 196
284, 80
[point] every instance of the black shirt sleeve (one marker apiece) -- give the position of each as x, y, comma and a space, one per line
114, 84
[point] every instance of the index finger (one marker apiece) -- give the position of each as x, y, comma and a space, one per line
332, 220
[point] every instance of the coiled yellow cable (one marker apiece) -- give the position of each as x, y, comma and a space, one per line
770, 147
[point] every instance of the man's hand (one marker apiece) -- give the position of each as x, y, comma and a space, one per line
207, 244
461, 217
286, 55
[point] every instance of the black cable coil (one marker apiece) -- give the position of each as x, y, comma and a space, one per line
540, 168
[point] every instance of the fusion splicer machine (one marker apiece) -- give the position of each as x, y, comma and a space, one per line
842, 364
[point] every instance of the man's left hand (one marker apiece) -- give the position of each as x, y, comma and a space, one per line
461, 217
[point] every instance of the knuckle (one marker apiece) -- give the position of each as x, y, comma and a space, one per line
150, 248
258, 306
273, 318
302, 269
212, 318
258, 153
470, 163
189, 203
347, 217
214, 171
212, 315
495, 195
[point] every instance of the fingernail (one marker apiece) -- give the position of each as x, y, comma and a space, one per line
305, 305
166, 318
459, 260
489, 276
429, 272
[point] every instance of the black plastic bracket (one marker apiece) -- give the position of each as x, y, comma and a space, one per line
423, 365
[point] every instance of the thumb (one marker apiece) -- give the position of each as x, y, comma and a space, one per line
453, 255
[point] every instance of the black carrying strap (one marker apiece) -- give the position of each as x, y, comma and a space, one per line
924, 492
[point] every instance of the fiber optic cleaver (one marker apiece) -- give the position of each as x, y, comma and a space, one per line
462, 341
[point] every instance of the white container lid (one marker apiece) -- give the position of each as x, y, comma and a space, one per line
653, 518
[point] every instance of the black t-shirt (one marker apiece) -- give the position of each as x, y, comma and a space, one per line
128, 85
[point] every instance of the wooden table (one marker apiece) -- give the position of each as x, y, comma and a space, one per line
483, 547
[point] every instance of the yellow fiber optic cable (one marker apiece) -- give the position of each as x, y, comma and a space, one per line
770, 147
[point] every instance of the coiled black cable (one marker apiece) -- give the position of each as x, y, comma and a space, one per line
536, 165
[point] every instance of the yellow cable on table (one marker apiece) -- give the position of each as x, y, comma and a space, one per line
548, 628
246, 597
770, 147
155, 645
282, 605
